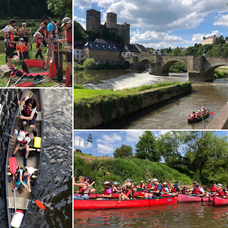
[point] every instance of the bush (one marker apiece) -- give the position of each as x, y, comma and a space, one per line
90, 64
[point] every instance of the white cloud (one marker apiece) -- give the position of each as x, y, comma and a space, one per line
104, 149
221, 20
110, 139
198, 38
216, 32
133, 136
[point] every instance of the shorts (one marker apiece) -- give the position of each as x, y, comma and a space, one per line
69, 57
49, 51
32, 121
10, 51
80, 197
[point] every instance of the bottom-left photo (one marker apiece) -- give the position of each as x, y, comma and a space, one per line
35, 158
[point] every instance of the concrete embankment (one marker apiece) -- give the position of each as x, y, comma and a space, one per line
221, 120
109, 108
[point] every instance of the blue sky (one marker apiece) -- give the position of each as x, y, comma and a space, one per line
105, 142
162, 23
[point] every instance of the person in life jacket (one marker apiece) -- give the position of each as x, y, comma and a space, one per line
4, 33
202, 109
22, 140
135, 186
39, 44
142, 185
192, 115
198, 190
67, 24
57, 49
51, 29
212, 189
149, 185
25, 32
42, 30
184, 190
107, 192
24, 177
220, 192
175, 189
164, 188
115, 188
29, 113
156, 192
88, 179
84, 189
17, 33
10, 46
128, 194
21, 49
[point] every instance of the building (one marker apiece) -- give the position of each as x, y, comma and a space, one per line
128, 50
93, 23
156, 52
101, 52
209, 39
142, 49
78, 51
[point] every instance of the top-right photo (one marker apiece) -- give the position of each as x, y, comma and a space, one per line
150, 64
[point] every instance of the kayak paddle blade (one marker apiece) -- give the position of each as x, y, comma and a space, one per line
13, 165
40, 205
25, 67
25, 84
59, 75
67, 76
52, 70
212, 113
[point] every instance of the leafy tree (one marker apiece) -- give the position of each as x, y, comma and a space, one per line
145, 147
60, 7
90, 64
123, 151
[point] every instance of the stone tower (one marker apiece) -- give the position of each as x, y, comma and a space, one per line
111, 20
93, 20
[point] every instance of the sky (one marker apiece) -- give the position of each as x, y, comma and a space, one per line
162, 23
105, 142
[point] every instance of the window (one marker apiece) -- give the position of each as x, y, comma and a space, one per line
77, 51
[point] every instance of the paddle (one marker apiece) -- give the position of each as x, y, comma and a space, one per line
52, 69
29, 84
14, 85
8, 82
60, 73
13, 169
67, 73
38, 203
18, 104
211, 112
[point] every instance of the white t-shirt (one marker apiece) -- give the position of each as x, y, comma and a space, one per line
5, 30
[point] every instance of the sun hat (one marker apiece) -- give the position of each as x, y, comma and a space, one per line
141, 181
30, 170
10, 28
21, 136
154, 180
115, 183
21, 39
24, 24
165, 183
128, 180
106, 182
219, 185
197, 183
66, 20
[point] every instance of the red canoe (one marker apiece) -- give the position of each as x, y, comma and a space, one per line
115, 203
220, 201
182, 198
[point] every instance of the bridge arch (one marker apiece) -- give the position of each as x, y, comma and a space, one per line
166, 66
143, 64
126, 64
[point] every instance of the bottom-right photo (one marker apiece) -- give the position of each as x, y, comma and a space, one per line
138, 178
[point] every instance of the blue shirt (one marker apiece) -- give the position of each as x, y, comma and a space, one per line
50, 27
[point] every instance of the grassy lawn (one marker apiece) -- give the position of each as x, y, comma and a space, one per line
91, 94
18, 64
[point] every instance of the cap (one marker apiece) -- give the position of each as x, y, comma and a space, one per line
141, 181
135, 182
106, 182
45, 17
197, 183
87, 177
165, 183
176, 182
115, 183
21, 136
213, 182
30, 170
21, 39
149, 179
37, 33
66, 20
219, 185
154, 180
128, 180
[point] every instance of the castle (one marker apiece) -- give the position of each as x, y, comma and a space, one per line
93, 22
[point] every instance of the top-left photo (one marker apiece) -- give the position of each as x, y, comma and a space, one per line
36, 43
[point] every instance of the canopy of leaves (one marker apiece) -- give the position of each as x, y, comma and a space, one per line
60, 7
123, 151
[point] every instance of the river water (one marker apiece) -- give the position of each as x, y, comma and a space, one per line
54, 183
182, 215
171, 114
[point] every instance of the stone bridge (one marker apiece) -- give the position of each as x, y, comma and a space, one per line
200, 68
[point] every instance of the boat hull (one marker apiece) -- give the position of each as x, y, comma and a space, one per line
218, 201
182, 198
112, 204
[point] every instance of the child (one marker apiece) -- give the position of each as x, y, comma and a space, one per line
25, 32
21, 49
39, 45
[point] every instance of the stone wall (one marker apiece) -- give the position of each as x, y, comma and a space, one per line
88, 116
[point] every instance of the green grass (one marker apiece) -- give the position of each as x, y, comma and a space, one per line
91, 94
79, 153
221, 73
18, 64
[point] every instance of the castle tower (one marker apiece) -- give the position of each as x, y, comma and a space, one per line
111, 20
93, 20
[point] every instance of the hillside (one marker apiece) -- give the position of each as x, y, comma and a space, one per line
101, 169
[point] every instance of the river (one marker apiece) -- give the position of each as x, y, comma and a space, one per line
182, 215
54, 187
171, 114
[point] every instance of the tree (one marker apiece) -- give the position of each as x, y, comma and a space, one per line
123, 151
90, 64
145, 147
60, 7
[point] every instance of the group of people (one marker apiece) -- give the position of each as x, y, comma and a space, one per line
152, 189
200, 113
48, 34
27, 116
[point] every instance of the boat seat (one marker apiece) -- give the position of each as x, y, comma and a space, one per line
29, 166
21, 203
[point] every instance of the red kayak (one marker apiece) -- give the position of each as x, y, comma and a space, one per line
38, 63
220, 201
183, 198
115, 203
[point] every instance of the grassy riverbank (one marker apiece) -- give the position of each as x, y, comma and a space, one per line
101, 169
18, 64
221, 73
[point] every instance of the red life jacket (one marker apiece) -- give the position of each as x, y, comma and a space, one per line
163, 189
220, 192
184, 191
213, 188
69, 36
141, 185
135, 186
149, 186
28, 111
84, 190
37, 42
106, 192
129, 193
23, 140
196, 191
9, 38
174, 190
156, 188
